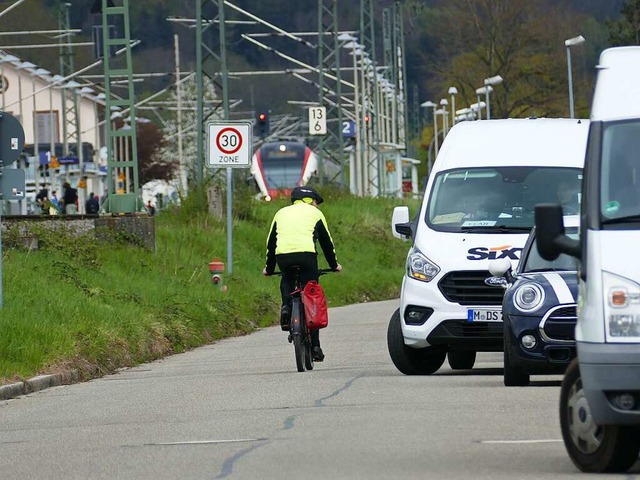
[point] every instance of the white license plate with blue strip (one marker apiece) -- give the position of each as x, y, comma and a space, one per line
484, 315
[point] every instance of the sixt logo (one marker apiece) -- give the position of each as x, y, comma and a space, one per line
484, 253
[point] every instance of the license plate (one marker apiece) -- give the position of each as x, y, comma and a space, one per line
483, 315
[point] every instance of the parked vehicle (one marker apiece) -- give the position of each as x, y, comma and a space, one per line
539, 311
477, 207
600, 396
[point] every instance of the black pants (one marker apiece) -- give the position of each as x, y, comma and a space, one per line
308, 264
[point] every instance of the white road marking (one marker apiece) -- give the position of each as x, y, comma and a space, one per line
506, 442
208, 442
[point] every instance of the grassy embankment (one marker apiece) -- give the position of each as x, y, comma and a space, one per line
77, 303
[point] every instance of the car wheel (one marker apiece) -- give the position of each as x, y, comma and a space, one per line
592, 447
411, 361
461, 360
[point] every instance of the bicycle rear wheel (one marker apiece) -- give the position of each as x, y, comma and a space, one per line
297, 330
308, 358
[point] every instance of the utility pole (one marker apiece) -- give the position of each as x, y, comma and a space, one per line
401, 70
329, 60
208, 23
70, 127
122, 167
178, 84
374, 165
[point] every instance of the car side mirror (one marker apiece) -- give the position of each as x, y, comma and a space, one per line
551, 240
401, 224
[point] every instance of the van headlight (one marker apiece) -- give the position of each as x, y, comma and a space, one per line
420, 267
621, 308
528, 297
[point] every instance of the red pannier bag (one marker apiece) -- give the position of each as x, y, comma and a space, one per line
315, 306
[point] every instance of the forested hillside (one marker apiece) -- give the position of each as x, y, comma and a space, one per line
449, 43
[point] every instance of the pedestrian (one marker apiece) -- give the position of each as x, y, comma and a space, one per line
70, 199
42, 198
92, 206
151, 209
55, 203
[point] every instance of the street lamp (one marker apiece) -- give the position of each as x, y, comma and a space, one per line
444, 103
495, 80
430, 104
568, 44
482, 91
453, 91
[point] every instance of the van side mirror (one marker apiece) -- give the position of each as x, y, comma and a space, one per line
551, 239
401, 223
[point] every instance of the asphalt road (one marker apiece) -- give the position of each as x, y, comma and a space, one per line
239, 409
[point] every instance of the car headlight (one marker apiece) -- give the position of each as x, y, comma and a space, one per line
528, 297
621, 308
420, 267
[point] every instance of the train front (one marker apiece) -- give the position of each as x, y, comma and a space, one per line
278, 167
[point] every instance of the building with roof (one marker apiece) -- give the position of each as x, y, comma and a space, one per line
56, 114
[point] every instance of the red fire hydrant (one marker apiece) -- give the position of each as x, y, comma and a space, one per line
216, 268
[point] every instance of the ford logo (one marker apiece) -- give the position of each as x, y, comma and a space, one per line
496, 281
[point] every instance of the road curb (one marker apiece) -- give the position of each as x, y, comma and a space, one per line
37, 383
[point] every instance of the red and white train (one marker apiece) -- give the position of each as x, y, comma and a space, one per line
278, 167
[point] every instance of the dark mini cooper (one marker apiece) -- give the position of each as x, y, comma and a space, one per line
539, 311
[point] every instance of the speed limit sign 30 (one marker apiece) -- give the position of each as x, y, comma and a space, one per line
229, 144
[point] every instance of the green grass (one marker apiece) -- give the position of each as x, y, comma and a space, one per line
95, 306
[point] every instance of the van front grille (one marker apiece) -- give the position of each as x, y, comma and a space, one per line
467, 287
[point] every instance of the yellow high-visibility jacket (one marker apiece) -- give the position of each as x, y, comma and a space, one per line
295, 229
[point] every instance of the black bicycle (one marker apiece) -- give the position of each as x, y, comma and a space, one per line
299, 333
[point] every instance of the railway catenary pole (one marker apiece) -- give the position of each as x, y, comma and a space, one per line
329, 60
122, 169
367, 32
70, 127
401, 70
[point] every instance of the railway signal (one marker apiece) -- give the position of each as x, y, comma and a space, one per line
262, 123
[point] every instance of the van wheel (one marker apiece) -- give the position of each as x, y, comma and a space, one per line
513, 376
411, 361
461, 360
593, 448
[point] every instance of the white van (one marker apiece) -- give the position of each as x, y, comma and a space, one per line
478, 206
600, 396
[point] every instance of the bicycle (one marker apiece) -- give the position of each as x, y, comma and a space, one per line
299, 333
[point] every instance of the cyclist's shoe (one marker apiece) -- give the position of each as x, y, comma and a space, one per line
285, 318
317, 354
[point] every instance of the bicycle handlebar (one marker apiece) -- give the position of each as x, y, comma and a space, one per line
321, 271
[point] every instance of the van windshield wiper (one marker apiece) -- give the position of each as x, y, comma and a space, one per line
550, 269
627, 219
496, 229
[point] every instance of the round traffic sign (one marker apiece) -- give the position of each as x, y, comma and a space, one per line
11, 139
229, 140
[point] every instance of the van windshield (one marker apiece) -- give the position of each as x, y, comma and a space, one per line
499, 199
620, 177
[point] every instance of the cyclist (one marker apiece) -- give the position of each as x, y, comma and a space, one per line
292, 242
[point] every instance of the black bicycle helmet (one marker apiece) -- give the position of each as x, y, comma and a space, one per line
299, 193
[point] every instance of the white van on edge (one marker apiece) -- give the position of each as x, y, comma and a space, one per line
600, 395
478, 206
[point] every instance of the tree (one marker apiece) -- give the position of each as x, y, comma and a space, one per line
626, 30
169, 151
521, 40
151, 166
